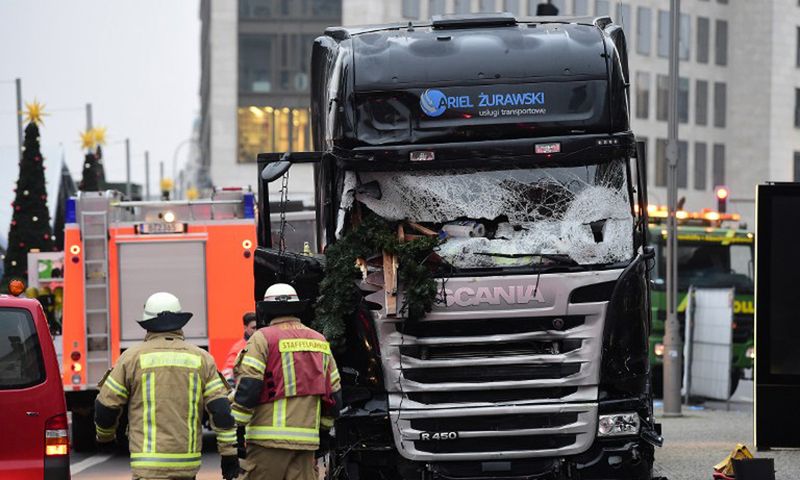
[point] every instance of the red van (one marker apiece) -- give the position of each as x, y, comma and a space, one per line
34, 443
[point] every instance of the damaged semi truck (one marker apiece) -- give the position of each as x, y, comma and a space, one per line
484, 282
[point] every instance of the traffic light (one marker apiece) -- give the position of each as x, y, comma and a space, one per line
722, 194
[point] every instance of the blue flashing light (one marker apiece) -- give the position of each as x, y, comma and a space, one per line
71, 210
249, 199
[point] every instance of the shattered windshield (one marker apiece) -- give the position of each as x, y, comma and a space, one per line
507, 217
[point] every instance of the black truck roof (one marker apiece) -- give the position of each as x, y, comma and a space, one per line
499, 48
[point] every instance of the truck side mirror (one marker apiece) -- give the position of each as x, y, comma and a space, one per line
275, 170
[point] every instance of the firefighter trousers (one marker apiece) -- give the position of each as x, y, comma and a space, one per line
278, 464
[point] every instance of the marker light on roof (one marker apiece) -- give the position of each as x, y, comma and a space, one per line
422, 156
546, 148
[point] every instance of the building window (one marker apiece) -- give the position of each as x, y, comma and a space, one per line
272, 9
486, 6
511, 6
797, 107
661, 162
797, 49
685, 37
580, 7
720, 104
274, 63
623, 15
701, 102
643, 30
436, 7
797, 166
272, 129
683, 164
462, 6
718, 174
683, 100
642, 94
602, 8
411, 9
559, 4
721, 43
700, 165
256, 66
703, 31
663, 34
662, 97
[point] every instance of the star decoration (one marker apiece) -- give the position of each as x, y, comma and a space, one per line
34, 112
99, 135
87, 139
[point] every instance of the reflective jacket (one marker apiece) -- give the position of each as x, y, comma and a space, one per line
166, 383
286, 375
230, 360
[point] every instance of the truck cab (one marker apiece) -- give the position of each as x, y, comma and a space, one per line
485, 274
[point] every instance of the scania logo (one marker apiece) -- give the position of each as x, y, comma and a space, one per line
433, 102
510, 295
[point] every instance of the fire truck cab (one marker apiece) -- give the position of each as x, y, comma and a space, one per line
117, 253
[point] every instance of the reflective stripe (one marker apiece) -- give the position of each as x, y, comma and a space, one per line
303, 345
240, 416
318, 417
105, 431
289, 378
170, 359
149, 416
165, 460
291, 434
213, 386
255, 363
279, 413
116, 387
226, 436
334, 376
326, 422
191, 418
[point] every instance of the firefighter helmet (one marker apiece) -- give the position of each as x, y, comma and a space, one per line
280, 300
162, 313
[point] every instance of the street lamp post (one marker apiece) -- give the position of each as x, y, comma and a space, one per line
673, 344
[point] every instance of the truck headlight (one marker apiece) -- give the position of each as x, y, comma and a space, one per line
750, 353
617, 424
658, 349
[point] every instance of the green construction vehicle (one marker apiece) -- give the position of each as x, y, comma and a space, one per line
713, 251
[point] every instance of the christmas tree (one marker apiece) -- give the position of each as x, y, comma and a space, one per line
30, 224
99, 134
90, 180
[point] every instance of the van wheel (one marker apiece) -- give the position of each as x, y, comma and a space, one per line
83, 432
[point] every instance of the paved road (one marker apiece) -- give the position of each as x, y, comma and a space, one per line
694, 443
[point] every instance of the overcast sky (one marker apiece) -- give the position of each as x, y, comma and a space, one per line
136, 61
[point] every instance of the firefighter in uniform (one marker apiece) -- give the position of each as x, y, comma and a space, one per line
287, 391
166, 383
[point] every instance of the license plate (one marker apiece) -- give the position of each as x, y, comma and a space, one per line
441, 436
156, 228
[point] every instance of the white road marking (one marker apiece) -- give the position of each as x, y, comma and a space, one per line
88, 463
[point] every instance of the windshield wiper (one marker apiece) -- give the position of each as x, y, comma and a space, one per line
561, 258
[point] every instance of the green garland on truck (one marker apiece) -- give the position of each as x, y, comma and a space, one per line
339, 294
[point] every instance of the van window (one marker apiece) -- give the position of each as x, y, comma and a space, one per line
21, 363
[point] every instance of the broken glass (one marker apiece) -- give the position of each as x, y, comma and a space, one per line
512, 216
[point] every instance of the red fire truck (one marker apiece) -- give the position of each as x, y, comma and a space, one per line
119, 252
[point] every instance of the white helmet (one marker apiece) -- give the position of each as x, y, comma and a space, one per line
281, 292
280, 300
162, 313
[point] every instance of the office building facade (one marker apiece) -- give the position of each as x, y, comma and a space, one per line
256, 56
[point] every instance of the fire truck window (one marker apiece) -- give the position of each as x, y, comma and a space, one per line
21, 362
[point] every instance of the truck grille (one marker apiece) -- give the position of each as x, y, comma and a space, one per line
514, 381
500, 373
471, 445
492, 396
